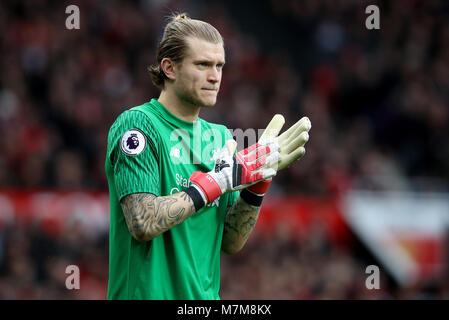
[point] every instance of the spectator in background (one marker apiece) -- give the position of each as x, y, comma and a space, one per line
378, 101
391, 83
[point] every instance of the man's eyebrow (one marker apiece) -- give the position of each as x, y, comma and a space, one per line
207, 61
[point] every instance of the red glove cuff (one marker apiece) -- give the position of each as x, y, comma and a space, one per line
208, 185
260, 187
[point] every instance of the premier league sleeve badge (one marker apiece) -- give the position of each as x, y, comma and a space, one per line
133, 142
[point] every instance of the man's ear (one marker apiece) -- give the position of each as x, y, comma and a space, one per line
168, 67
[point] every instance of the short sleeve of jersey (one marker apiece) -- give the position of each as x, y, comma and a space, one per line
233, 196
133, 153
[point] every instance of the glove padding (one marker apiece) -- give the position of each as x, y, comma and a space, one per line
291, 142
231, 173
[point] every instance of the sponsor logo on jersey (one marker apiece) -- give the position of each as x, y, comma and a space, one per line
133, 142
175, 152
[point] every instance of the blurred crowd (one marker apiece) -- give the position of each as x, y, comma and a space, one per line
34, 262
377, 99
283, 265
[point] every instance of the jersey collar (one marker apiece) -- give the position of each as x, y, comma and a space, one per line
171, 117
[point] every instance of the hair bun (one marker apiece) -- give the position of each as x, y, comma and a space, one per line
182, 16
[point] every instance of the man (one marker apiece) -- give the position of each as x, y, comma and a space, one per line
174, 179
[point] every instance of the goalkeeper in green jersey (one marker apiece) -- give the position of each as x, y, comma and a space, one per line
179, 193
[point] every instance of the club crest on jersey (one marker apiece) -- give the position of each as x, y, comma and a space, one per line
133, 142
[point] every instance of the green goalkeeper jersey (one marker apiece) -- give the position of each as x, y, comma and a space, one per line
152, 151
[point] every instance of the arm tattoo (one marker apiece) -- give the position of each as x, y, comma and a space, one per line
239, 223
147, 216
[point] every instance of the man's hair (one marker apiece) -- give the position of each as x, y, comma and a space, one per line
174, 45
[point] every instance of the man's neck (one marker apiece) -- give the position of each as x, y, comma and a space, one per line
180, 110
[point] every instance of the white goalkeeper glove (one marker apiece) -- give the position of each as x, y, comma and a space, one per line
291, 146
231, 173
291, 142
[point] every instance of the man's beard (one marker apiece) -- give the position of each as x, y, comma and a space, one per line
187, 97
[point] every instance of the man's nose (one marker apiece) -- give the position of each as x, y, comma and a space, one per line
214, 76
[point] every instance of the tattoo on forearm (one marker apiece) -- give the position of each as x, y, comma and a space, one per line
147, 216
239, 223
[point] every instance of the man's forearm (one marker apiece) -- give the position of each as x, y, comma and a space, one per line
147, 216
239, 223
